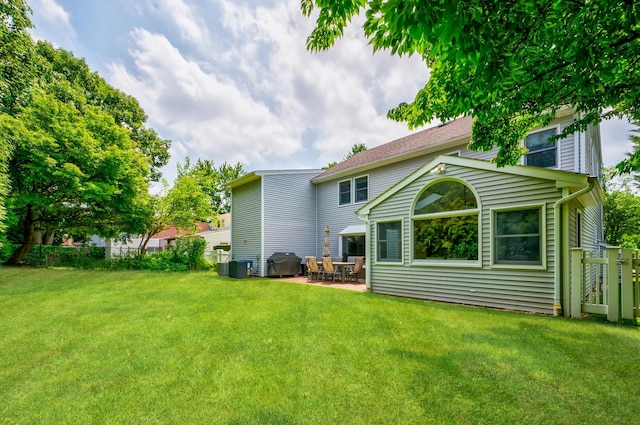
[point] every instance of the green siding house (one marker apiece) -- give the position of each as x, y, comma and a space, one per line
462, 230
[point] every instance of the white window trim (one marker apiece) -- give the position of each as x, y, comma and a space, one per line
353, 185
439, 262
523, 160
350, 192
402, 232
543, 237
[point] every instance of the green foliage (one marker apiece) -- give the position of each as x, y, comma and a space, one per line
621, 211
68, 256
355, 149
182, 205
213, 181
186, 254
632, 162
16, 55
72, 170
81, 158
15, 71
454, 238
510, 64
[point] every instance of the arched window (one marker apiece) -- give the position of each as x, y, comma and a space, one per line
445, 222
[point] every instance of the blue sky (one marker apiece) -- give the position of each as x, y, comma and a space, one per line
230, 80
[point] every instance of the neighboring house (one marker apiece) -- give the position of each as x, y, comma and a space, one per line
213, 234
396, 203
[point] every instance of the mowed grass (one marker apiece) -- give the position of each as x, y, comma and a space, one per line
82, 347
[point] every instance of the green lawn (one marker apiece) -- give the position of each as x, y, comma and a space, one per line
83, 347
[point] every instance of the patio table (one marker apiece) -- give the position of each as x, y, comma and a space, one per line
342, 265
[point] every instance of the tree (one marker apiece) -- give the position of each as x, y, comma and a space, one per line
213, 181
15, 71
621, 211
70, 170
511, 64
632, 162
16, 53
355, 149
70, 80
82, 157
183, 206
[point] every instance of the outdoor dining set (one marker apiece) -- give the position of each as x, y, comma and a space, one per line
346, 271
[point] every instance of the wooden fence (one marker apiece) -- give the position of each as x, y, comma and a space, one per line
605, 283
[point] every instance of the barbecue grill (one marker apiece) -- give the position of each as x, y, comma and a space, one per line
283, 264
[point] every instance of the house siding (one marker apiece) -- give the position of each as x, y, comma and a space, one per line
519, 289
566, 148
290, 210
246, 222
337, 217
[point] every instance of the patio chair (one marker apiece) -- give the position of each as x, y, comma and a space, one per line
328, 270
313, 268
351, 274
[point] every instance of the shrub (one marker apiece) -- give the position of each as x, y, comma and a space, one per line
79, 257
186, 254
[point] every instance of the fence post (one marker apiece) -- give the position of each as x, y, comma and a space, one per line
613, 285
626, 289
577, 281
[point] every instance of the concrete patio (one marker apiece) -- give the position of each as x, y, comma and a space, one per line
352, 286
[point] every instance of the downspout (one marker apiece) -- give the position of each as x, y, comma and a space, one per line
367, 250
561, 241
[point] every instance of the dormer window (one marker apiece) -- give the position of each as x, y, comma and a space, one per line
542, 152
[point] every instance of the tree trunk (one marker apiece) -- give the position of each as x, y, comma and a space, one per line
30, 238
47, 239
143, 245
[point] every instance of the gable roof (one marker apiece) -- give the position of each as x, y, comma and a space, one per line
564, 179
400, 149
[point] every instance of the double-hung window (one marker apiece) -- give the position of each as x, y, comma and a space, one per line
360, 187
389, 235
542, 152
518, 237
344, 192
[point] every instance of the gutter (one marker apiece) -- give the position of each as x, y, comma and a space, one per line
561, 245
367, 250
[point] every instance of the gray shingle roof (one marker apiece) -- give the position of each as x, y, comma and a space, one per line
418, 141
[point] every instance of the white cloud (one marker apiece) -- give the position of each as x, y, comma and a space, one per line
615, 135
51, 11
331, 94
208, 114
191, 26
259, 97
51, 18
